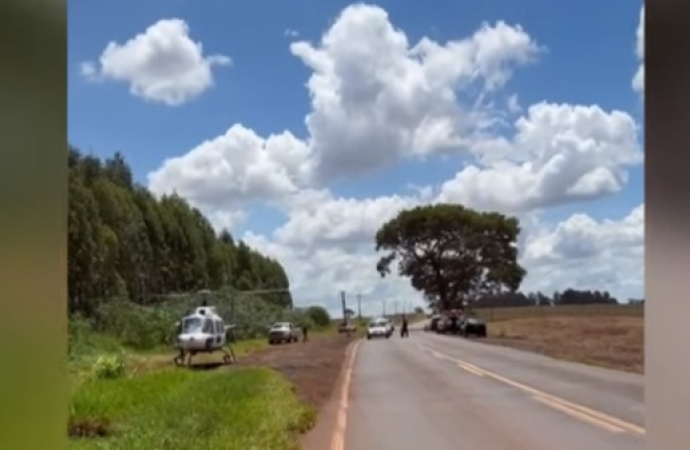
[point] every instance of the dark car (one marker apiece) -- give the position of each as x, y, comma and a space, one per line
433, 323
473, 326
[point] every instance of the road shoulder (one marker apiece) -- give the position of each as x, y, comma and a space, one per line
321, 435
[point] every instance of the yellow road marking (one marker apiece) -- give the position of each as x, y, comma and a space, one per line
338, 438
471, 369
575, 410
578, 415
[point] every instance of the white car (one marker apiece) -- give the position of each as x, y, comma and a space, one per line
379, 328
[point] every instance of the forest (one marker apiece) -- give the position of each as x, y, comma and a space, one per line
125, 243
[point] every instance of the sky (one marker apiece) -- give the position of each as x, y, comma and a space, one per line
302, 126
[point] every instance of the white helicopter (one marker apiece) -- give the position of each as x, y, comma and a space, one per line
203, 331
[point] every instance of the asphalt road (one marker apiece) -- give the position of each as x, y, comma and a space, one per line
437, 392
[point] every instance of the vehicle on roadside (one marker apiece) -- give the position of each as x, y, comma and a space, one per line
347, 327
433, 323
473, 325
284, 332
379, 328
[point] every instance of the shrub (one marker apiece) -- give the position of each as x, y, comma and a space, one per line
319, 315
109, 367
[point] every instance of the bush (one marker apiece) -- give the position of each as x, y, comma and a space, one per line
150, 327
319, 315
109, 367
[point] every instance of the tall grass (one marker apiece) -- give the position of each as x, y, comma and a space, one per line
248, 409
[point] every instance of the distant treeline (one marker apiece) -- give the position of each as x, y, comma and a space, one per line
125, 243
567, 297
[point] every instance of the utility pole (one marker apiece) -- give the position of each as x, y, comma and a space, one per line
359, 306
342, 300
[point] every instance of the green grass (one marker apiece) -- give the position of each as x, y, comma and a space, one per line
155, 406
507, 313
248, 409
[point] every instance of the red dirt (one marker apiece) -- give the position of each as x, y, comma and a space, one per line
313, 367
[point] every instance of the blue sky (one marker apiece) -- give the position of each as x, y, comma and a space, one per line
589, 59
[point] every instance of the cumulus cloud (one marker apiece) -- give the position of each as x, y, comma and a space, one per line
234, 168
327, 246
377, 99
326, 221
162, 64
581, 252
398, 99
638, 80
560, 153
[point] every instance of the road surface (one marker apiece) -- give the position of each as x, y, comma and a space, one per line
436, 392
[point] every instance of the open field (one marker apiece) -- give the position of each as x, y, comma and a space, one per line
604, 335
500, 314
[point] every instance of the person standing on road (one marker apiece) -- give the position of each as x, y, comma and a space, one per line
403, 328
305, 332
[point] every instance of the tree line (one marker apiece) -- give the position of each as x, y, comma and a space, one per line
566, 297
123, 242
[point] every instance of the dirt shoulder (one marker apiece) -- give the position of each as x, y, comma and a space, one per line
313, 367
613, 342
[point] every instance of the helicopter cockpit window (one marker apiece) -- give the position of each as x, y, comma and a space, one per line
208, 326
191, 325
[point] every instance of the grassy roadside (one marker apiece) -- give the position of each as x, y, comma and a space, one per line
144, 403
179, 409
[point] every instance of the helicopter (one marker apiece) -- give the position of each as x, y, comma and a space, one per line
203, 331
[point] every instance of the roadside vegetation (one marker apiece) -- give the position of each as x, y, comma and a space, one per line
138, 263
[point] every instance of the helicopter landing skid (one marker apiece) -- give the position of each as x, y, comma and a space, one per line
228, 357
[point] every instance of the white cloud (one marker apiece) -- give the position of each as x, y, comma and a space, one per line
559, 153
162, 64
398, 99
583, 253
291, 33
376, 99
327, 245
237, 167
324, 221
638, 80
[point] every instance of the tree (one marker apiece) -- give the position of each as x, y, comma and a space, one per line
319, 315
418, 310
125, 242
451, 253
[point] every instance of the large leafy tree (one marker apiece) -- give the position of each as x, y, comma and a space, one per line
452, 253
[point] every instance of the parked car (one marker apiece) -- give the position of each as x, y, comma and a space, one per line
433, 323
379, 328
473, 325
347, 327
284, 332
